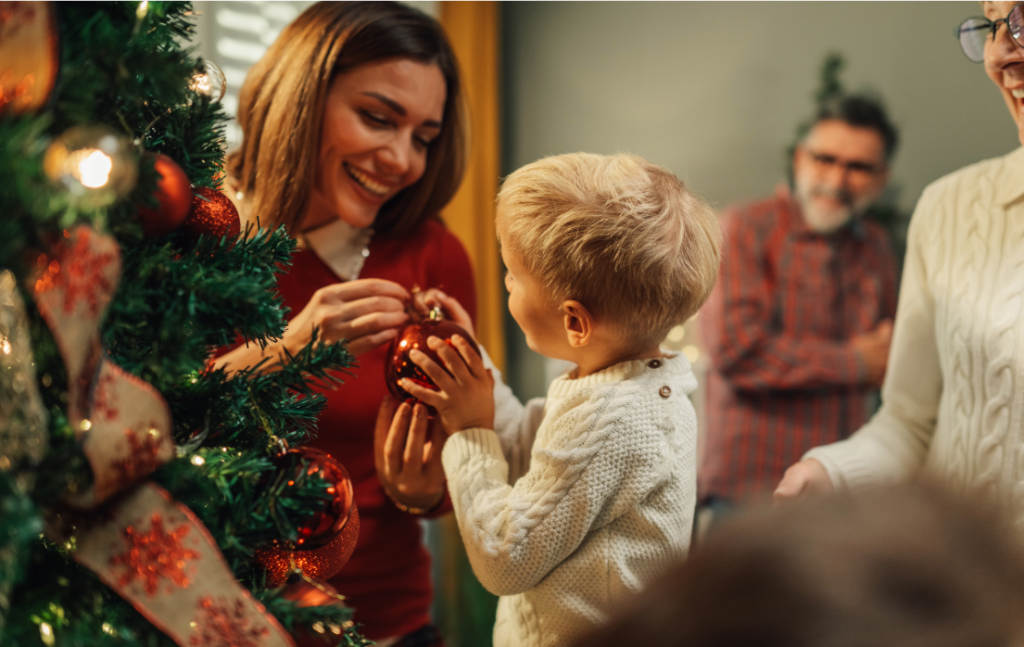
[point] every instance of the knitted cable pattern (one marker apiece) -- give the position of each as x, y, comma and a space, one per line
952, 399
605, 502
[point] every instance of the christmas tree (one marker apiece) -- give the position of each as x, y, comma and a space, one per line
147, 498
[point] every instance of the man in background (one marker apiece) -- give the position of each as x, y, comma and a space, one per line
799, 324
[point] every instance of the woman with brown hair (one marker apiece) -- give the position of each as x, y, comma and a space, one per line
353, 139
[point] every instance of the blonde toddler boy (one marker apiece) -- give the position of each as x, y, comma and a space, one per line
568, 503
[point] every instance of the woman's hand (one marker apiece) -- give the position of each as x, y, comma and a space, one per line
408, 464
806, 477
425, 301
465, 398
366, 312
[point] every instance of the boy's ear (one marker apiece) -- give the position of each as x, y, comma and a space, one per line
579, 323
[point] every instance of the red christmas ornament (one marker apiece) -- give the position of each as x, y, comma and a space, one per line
414, 335
173, 192
212, 215
307, 593
327, 539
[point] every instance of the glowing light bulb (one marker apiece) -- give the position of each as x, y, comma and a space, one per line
198, 460
677, 334
692, 353
201, 83
94, 168
46, 633
94, 164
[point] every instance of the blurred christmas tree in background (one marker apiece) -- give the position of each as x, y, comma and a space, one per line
146, 498
886, 210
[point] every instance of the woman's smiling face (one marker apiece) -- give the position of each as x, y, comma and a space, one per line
1004, 63
379, 120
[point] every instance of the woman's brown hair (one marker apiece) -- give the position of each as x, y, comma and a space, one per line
281, 107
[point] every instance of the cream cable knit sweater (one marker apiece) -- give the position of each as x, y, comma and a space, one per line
579, 499
954, 392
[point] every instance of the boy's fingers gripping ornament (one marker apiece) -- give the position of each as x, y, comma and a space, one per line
414, 336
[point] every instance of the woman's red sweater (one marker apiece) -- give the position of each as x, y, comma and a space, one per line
387, 580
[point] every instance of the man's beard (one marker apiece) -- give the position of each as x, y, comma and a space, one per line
824, 219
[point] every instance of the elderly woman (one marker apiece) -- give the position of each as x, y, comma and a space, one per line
353, 140
954, 393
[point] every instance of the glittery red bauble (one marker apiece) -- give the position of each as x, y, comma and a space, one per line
213, 215
174, 194
414, 335
318, 594
327, 539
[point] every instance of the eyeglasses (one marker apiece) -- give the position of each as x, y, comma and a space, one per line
973, 32
856, 169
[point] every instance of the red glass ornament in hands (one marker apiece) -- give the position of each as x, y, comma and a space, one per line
326, 540
414, 336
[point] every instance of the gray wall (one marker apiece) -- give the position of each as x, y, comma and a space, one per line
714, 91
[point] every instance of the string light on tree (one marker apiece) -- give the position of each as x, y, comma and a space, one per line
307, 592
94, 164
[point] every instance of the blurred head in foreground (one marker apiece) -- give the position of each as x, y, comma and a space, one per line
905, 566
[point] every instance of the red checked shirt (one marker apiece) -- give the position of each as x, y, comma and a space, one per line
784, 378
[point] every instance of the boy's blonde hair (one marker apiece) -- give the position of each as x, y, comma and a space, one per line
618, 234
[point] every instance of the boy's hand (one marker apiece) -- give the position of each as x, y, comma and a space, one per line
466, 395
425, 301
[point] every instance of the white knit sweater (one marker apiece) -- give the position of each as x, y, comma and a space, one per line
954, 391
579, 499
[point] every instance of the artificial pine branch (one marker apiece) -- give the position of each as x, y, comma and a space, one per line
177, 300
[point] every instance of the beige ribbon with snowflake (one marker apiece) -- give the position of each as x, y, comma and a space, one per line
154, 552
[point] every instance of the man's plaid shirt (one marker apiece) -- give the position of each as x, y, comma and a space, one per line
784, 378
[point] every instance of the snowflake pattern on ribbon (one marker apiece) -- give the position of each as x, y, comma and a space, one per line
219, 625
155, 555
142, 458
104, 405
82, 277
11, 14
